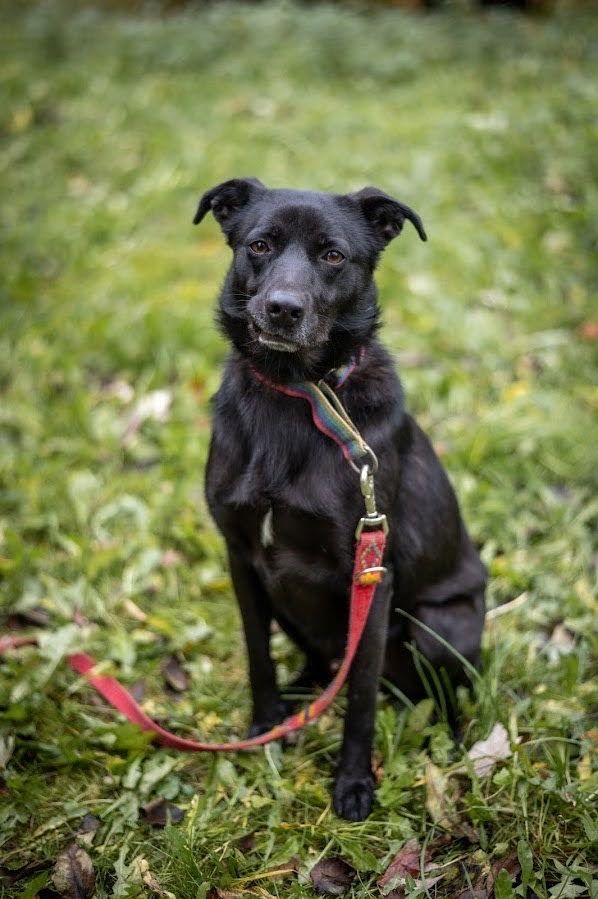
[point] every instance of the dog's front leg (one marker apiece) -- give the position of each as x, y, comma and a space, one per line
354, 786
268, 708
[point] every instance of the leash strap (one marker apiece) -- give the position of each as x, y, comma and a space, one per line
331, 419
369, 555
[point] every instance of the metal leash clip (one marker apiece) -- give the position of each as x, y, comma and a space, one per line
372, 518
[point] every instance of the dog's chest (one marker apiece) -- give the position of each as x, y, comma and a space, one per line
267, 529
305, 572
276, 536
286, 499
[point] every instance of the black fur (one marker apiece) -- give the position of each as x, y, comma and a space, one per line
297, 302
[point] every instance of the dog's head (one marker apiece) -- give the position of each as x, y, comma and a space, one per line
299, 297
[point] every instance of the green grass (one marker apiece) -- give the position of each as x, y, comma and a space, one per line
110, 129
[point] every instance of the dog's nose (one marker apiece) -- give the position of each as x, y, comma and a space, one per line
284, 308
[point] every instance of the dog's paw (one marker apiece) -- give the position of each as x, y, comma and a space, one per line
353, 796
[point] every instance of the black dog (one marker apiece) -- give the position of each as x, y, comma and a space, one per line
298, 301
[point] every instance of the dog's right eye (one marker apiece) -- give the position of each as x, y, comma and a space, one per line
259, 247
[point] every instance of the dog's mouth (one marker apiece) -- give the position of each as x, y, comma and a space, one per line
278, 343
275, 341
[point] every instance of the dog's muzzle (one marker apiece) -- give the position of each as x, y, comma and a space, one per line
278, 319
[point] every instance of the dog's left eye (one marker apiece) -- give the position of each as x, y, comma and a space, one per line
334, 257
259, 247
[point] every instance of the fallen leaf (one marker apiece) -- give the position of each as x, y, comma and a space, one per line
142, 870
283, 870
485, 753
133, 610
378, 767
80, 619
561, 643
246, 843
589, 331
7, 747
73, 874
161, 812
171, 557
438, 800
36, 615
118, 389
441, 797
332, 876
217, 893
406, 863
278, 871
584, 767
154, 406
87, 829
174, 674
400, 891
137, 690
508, 863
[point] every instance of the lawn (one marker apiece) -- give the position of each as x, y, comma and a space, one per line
111, 127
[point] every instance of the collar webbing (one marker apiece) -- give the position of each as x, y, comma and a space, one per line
328, 413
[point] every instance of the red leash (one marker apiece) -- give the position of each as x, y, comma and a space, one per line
370, 550
368, 571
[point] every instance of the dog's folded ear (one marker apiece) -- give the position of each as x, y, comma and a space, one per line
385, 214
226, 198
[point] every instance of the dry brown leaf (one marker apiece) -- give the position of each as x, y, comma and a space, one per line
133, 610
561, 643
144, 874
278, 871
161, 812
332, 876
36, 615
87, 829
483, 888
438, 799
217, 893
174, 674
171, 557
246, 843
584, 767
400, 891
407, 862
80, 619
589, 331
137, 690
378, 767
154, 405
486, 753
118, 389
510, 863
73, 874
441, 796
